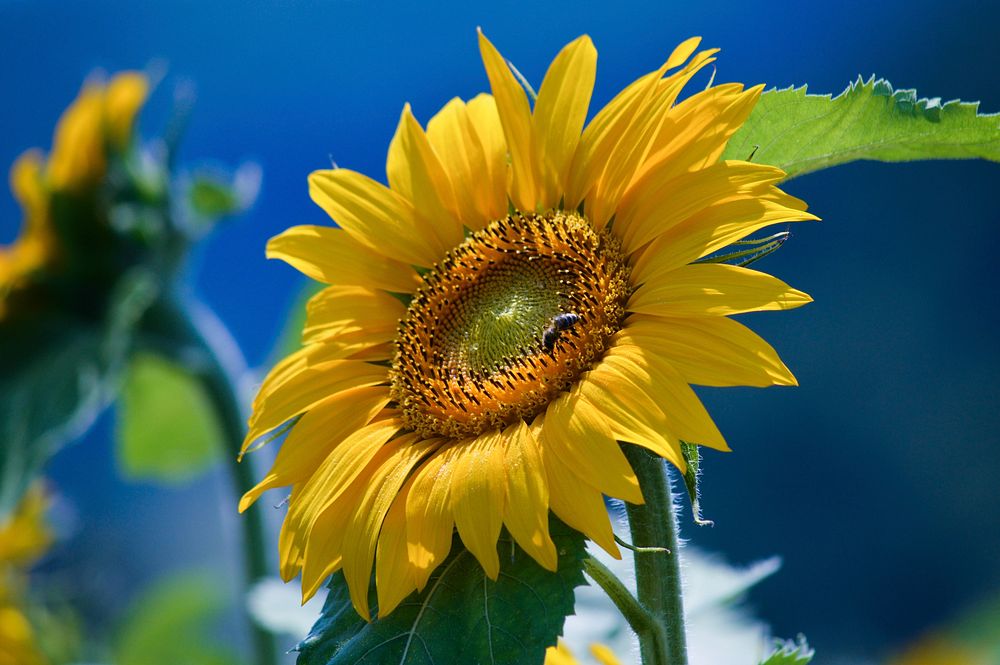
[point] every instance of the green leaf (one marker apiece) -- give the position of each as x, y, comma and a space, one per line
56, 376
461, 616
166, 429
693, 458
169, 623
801, 133
790, 653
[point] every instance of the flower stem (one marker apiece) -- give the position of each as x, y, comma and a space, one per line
657, 574
191, 333
642, 622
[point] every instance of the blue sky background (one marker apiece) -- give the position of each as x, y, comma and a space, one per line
875, 480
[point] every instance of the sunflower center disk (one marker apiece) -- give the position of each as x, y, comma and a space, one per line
508, 320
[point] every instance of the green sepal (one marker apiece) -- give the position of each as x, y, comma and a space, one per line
691, 477
57, 375
166, 429
461, 616
790, 653
801, 133
742, 253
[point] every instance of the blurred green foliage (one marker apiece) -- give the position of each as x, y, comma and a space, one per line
166, 428
170, 624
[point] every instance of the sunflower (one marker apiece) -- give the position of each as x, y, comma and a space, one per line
522, 296
98, 122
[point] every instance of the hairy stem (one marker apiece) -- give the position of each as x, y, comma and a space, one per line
642, 622
657, 574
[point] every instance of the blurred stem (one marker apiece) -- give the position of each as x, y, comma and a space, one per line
642, 622
657, 574
191, 333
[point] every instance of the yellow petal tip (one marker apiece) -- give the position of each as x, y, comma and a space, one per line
246, 501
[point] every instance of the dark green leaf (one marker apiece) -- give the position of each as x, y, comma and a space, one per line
790, 653
693, 458
166, 427
56, 377
800, 133
461, 617
169, 623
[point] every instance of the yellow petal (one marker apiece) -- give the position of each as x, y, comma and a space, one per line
636, 139
715, 289
77, 156
515, 117
682, 52
715, 227
324, 548
124, 97
683, 413
483, 115
709, 351
301, 391
345, 459
341, 309
370, 352
560, 112
603, 131
478, 496
527, 511
361, 536
415, 173
319, 504
429, 519
604, 655
579, 436
323, 539
36, 241
316, 433
289, 547
28, 188
374, 345
696, 131
375, 216
631, 413
602, 135
308, 356
574, 501
25, 534
332, 256
657, 203
454, 138
559, 655
393, 575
